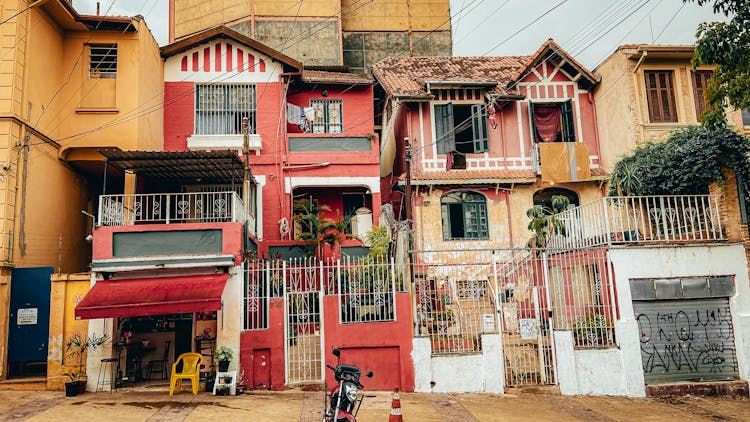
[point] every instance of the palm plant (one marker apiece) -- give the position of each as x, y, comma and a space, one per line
316, 229
544, 222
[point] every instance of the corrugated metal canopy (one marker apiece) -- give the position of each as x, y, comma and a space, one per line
207, 166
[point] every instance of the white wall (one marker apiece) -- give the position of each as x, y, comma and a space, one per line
461, 373
663, 262
229, 318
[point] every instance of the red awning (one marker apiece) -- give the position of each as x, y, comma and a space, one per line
153, 296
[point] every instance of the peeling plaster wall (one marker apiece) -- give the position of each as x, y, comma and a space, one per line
580, 371
229, 318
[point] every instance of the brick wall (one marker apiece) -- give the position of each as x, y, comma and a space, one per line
729, 208
179, 117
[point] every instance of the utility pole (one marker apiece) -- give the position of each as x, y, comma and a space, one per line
246, 176
407, 156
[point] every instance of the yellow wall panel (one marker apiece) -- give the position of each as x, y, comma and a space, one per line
292, 8
195, 15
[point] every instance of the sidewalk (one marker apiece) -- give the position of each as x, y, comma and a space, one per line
155, 404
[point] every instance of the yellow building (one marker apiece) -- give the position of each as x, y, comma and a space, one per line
70, 84
646, 92
354, 33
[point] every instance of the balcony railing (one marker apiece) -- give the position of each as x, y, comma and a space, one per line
170, 208
640, 219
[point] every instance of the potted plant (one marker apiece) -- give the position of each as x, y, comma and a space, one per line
223, 356
210, 378
75, 347
222, 390
592, 330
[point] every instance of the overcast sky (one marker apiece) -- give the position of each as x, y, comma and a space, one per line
588, 29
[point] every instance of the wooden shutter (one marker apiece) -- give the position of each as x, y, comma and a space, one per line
532, 125
479, 127
445, 215
660, 96
700, 82
445, 136
568, 122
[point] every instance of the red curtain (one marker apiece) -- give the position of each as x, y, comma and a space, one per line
547, 121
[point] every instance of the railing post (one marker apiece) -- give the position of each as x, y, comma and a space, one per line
607, 227
99, 216
168, 206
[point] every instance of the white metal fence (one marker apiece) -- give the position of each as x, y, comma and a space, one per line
648, 219
168, 208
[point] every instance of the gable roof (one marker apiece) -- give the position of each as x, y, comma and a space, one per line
552, 51
224, 32
410, 76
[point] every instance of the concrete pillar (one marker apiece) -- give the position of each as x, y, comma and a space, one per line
229, 318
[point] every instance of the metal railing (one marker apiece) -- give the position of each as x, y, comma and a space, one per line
366, 287
642, 219
170, 208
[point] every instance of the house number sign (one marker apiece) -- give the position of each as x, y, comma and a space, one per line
27, 316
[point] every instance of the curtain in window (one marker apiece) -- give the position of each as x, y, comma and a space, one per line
547, 122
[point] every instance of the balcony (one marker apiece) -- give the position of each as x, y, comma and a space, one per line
171, 208
641, 220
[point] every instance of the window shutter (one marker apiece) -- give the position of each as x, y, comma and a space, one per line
446, 221
532, 125
479, 127
445, 136
568, 122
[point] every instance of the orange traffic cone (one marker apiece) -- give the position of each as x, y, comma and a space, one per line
396, 415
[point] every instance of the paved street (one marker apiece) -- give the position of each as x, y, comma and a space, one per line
154, 404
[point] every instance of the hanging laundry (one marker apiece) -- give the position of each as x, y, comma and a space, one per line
491, 114
449, 160
293, 114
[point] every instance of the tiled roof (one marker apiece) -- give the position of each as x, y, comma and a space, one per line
407, 75
541, 55
321, 76
454, 177
599, 173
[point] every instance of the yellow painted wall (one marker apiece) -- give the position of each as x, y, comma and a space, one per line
393, 15
67, 291
428, 219
194, 15
290, 8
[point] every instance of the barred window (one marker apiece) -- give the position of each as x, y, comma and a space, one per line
328, 116
102, 61
219, 108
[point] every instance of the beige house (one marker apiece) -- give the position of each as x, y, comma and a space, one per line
647, 91
70, 85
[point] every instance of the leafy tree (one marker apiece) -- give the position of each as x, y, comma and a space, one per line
726, 45
685, 164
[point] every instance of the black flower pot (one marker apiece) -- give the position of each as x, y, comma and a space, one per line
71, 389
223, 366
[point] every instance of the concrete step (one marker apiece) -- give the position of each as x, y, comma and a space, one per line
24, 384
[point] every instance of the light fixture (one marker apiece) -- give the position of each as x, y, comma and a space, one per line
324, 93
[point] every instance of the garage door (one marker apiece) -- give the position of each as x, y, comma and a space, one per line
686, 340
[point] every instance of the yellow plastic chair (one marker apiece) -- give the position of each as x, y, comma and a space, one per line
191, 370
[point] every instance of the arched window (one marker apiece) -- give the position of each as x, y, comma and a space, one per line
543, 197
464, 215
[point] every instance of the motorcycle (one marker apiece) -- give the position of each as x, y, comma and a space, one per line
344, 395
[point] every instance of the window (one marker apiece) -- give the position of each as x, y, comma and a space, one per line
700, 82
660, 96
464, 216
553, 122
327, 116
219, 108
746, 117
461, 128
102, 61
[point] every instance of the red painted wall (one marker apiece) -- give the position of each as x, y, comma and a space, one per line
179, 114
231, 236
363, 344
272, 339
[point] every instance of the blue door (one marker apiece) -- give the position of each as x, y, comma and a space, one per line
28, 321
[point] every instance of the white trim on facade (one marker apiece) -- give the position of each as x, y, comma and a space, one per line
372, 183
222, 142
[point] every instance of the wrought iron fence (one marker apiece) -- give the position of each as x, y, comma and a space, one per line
365, 286
455, 299
648, 219
168, 208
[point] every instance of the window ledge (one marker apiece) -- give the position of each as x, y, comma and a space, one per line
223, 142
669, 125
97, 110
